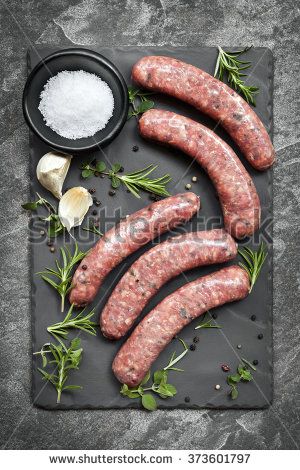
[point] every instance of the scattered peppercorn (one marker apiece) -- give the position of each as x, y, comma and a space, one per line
239, 346
97, 203
260, 336
111, 192
255, 362
52, 249
253, 317
225, 368
152, 197
188, 186
84, 267
196, 339
217, 387
121, 169
187, 399
102, 176
192, 347
194, 179
96, 173
94, 212
215, 316
49, 243
92, 190
135, 148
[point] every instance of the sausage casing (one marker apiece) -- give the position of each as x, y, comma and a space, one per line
167, 319
235, 188
212, 97
156, 267
127, 237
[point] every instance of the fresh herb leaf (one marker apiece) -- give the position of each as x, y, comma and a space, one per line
139, 102
242, 375
146, 378
55, 226
80, 321
207, 324
254, 261
133, 181
65, 359
92, 228
63, 272
149, 402
249, 364
228, 62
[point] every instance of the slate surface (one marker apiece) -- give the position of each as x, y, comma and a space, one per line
201, 368
269, 23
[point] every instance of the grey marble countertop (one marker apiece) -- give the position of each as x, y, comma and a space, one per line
271, 23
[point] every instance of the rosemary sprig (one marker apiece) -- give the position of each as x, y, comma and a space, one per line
139, 101
133, 181
63, 273
55, 227
65, 359
80, 321
254, 261
228, 62
207, 324
159, 384
93, 229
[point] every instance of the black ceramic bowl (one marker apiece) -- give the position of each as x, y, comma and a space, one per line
75, 59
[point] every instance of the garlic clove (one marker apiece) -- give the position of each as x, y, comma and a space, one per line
73, 207
52, 170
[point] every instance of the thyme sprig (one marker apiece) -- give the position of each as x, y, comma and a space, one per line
64, 359
254, 261
80, 321
228, 62
64, 272
139, 101
133, 181
159, 384
55, 227
243, 375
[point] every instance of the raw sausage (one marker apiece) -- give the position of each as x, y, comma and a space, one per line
212, 97
157, 266
157, 329
127, 237
237, 193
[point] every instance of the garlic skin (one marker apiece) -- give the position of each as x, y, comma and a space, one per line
73, 207
52, 170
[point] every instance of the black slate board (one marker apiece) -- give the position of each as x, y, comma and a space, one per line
202, 369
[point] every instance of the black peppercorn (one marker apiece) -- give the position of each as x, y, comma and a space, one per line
97, 203
192, 347
94, 212
49, 243
253, 317
121, 169
111, 192
196, 339
215, 315
92, 190
260, 336
135, 148
152, 197
187, 399
225, 368
255, 362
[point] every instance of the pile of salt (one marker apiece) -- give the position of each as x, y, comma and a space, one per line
76, 104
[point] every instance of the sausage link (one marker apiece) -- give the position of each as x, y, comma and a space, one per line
212, 97
127, 237
236, 191
157, 266
157, 329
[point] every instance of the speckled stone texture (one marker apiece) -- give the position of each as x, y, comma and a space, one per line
271, 23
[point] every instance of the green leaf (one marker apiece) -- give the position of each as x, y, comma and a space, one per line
73, 387
234, 393
149, 402
171, 389
145, 106
146, 378
30, 206
233, 379
115, 182
87, 173
116, 167
160, 376
100, 167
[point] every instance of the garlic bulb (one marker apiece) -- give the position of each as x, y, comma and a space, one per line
73, 206
52, 170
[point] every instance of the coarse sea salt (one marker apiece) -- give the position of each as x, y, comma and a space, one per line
76, 104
